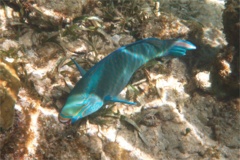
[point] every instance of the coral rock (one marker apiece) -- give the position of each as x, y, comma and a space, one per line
9, 85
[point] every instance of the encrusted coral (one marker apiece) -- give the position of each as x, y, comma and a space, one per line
231, 22
225, 71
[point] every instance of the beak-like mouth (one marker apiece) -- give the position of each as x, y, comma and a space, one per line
64, 120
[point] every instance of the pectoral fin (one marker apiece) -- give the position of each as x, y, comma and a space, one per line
81, 70
117, 99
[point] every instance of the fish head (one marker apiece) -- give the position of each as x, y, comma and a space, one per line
79, 106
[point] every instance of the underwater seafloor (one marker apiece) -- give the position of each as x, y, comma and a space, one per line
188, 108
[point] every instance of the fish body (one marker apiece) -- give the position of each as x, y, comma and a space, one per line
105, 80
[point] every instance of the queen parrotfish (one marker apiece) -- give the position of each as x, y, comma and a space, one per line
106, 79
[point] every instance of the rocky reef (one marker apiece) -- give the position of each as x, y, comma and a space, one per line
188, 107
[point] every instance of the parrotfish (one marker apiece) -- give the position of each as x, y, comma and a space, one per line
106, 79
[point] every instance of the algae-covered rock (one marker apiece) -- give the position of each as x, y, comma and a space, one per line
231, 22
50, 14
164, 27
224, 74
225, 71
9, 85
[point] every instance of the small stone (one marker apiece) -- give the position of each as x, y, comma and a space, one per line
203, 80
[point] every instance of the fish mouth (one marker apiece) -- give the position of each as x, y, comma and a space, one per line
64, 120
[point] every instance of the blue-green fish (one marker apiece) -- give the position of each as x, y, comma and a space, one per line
105, 80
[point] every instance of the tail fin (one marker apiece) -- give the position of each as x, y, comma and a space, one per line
179, 48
